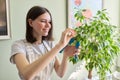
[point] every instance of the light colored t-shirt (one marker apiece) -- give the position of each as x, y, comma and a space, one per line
33, 52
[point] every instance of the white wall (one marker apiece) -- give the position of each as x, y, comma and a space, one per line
113, 7
18, 10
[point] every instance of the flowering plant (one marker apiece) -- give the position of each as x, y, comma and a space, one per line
95, 37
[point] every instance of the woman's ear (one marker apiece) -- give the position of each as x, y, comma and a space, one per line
30, 22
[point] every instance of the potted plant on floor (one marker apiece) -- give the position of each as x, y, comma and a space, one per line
98, 44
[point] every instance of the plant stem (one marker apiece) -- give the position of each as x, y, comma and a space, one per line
90, 75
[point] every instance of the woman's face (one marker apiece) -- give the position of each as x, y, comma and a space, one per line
41, 25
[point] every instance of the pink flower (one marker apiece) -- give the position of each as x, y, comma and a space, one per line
78, 24
77, 2
87, 13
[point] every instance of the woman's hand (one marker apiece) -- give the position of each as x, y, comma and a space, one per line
66, 36
71, 51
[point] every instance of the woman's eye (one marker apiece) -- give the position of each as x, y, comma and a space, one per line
43, 21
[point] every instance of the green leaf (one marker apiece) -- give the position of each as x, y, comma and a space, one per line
98, 44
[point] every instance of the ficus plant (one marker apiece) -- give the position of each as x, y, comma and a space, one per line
97, 43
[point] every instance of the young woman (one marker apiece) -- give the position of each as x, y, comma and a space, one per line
36, 56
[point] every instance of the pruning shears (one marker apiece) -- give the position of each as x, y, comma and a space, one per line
77, 44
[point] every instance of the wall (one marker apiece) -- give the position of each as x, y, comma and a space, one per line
18, 10
113, 8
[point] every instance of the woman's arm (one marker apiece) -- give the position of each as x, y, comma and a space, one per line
28, 71
68, 52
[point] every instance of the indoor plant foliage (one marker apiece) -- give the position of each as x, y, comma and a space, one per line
98, 46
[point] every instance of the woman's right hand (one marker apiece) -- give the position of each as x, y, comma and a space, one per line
66, 36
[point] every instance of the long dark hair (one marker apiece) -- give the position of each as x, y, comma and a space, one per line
33, 13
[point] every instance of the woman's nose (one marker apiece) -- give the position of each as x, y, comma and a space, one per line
48, 24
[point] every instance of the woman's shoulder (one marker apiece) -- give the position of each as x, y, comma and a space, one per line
20, 42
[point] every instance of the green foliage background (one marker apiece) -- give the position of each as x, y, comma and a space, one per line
98, 44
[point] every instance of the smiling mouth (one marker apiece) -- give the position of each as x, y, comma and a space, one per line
46, 30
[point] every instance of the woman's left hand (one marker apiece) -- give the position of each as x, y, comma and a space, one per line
71, 51
66, 36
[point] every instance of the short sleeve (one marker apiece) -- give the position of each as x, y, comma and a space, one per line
17, 47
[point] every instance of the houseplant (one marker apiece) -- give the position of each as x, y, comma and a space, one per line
98, 44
